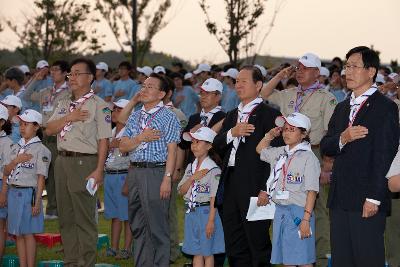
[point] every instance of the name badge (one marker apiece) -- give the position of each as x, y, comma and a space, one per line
282, 194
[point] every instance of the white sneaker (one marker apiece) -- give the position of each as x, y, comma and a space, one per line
50, 217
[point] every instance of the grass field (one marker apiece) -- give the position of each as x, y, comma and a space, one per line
44, 253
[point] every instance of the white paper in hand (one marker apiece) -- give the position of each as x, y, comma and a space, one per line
89, 186
258, 213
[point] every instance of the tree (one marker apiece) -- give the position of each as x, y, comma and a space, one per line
58, 28
118, 15
242, 18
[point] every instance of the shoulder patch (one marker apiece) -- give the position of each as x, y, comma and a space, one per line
106, 110
45, 159
107, 118
332, 102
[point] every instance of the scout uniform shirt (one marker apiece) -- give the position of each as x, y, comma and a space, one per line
201, 190
48, 99
83, 136
395, 167
5, 148
115, 160
302, 174
26, 173
318, 105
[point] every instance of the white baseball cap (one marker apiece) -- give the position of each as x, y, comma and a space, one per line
188, 76
121, 103
343, 72
159, 69
12, 100
202, 67
146, 70
202, 134
42, 64
262, 69
324, 72
24, 68
102, 66
31, 115
394, 77
232, 72
310, 60
295, 119
380, 78
212, 85
3, 112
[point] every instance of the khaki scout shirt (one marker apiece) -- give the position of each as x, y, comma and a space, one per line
29, 171
318, 106
397, 101
5, 148
84, 135
44, 96
395, 168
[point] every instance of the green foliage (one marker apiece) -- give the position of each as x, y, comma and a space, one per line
241, 18
59, 28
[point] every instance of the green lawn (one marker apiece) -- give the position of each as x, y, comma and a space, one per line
44, 253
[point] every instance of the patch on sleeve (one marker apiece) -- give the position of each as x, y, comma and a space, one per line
106, 110
332, 102
107, 118
62, 111
45, 159
217, 177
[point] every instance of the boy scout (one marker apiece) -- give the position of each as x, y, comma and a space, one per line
83, 125
311, 99
47, 98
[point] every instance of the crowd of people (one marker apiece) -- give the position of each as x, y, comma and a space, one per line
315, 142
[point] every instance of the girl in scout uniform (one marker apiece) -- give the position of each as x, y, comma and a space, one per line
203, 234
293, 186
5, 146
27, 167
116, 204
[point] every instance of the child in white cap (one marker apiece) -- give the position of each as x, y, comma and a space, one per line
5, 146
203, 234
293, 186
115, 203
27, 167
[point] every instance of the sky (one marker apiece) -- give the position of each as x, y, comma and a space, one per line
327, 28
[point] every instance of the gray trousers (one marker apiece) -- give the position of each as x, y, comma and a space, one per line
148, 217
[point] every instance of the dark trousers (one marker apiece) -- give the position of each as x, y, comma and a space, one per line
246, 243
356, 241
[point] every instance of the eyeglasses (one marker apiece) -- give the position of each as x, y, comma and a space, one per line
348, 67
76, 74
303, 68
53, 69
149, 87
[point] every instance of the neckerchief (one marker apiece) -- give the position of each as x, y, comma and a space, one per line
205, 117
276, 170
72, 106
22, 148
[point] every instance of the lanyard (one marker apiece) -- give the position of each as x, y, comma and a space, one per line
355, 113
150, 120
285, 169
300, 105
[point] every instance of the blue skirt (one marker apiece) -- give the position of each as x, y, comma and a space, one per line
287, 247
3, 211
20, 220
195, 241
115, 204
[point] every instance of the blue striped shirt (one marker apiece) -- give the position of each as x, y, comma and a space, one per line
156, 151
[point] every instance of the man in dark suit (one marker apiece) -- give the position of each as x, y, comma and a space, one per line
244, 175
363, 136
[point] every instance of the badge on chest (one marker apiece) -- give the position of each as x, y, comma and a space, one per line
282, 194
294, 178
